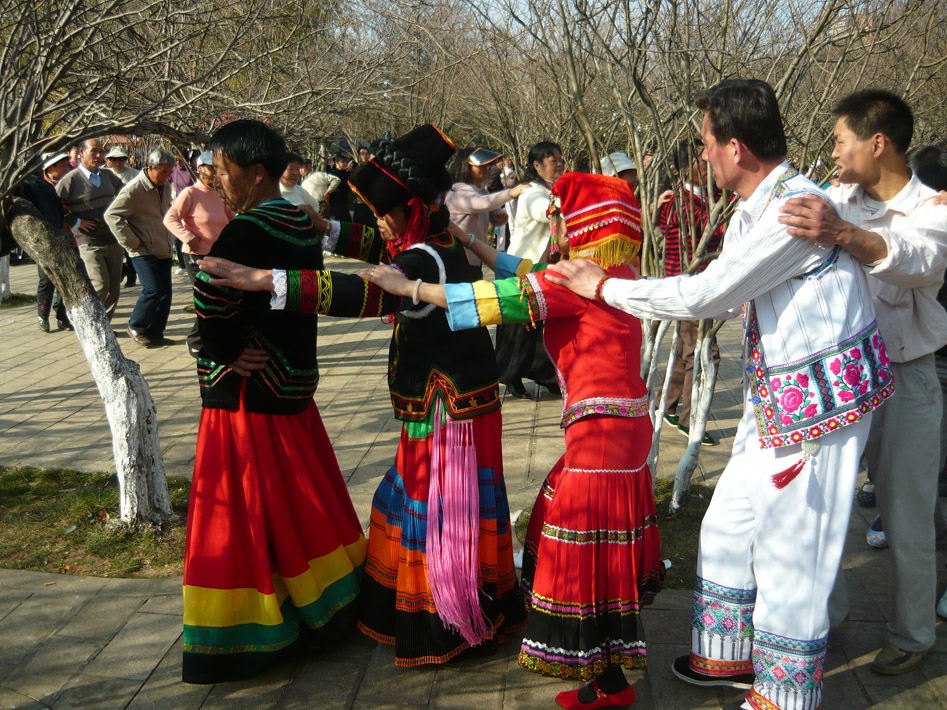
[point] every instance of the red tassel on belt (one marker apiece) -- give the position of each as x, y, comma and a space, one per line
784, 478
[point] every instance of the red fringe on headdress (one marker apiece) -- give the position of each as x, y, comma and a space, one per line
419, 220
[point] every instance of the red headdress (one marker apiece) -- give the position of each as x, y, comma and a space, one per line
603, 220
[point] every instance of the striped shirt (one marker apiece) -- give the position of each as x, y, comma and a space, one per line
695, 220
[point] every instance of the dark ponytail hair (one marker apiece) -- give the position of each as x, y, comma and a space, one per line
537, 154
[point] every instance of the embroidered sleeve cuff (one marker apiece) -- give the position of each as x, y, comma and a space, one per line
461, 306
508, 265
330, 240
278, 299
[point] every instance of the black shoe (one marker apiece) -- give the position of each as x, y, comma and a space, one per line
706, 440
194, 350
44, 324
161, 342
517, 389
682, 669
64, 324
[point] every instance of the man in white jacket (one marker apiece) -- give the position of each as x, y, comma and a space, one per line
816, 368
891, 223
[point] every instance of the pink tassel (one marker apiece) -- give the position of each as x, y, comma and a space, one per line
453, 530
784, 478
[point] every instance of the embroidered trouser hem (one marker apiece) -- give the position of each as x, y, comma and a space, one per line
768, 559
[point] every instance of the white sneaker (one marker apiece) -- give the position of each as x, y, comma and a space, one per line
179, 270
942, 607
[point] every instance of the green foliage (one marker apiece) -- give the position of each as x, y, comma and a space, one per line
18, 300
57, 520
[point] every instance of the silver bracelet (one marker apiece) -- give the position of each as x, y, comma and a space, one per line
473, 238
414, 296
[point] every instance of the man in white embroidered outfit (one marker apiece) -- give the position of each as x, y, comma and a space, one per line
890, 223
772, 538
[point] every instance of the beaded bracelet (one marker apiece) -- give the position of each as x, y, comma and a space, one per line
598, 288
417, 289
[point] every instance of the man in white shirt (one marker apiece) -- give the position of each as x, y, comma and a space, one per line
889, 221
772, 538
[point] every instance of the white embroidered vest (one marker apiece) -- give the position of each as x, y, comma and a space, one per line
814, 357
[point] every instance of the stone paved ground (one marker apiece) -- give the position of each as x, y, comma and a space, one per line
82, 642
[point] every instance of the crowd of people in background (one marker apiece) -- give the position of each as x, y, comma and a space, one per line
840, 287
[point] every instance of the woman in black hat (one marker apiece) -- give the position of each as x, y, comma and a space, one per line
436, 584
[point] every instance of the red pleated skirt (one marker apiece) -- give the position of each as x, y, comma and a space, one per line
273, 544
592, 554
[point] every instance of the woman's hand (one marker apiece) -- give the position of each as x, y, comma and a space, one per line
248, 361
229, 273
518, 190
389, 279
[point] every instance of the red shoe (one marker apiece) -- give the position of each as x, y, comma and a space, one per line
570, 700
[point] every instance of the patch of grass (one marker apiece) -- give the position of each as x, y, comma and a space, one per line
18, 300
679, 533
54, 520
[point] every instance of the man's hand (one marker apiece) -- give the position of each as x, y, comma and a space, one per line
664, 198
248, 361
238, 276
813, 218
87, 225
580, 276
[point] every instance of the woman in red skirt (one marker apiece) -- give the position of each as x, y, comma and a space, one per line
274, 550
439, 576
592, 555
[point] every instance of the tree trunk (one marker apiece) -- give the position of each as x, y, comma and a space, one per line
129, 407
705, 376
659, 408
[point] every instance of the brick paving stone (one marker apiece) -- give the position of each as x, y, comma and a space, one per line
12, 700
260, 693
51, 664
34, 620
466, 689
383, 681
101, 617
330, 685
95, 693
135, 650
164, 690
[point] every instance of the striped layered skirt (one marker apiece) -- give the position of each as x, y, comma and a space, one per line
592, 556
274, 549
433, 623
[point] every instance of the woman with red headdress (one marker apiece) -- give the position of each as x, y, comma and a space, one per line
439, 573
592, 554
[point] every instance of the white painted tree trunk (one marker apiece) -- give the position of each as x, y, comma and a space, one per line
129, 407
657, 409
705, 377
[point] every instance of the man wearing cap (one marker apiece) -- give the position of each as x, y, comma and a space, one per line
196, 218
40, 189
116, 160
86, 192
619, 165
471, 207
136, 218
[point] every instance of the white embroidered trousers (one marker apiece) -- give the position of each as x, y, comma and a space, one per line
768, 559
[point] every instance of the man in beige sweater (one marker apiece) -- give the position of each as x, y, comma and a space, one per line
136, 218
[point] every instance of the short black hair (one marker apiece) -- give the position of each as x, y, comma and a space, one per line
746, 109
874, 111
686, 153
537, 154
247, 143
929, 163
292, 157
